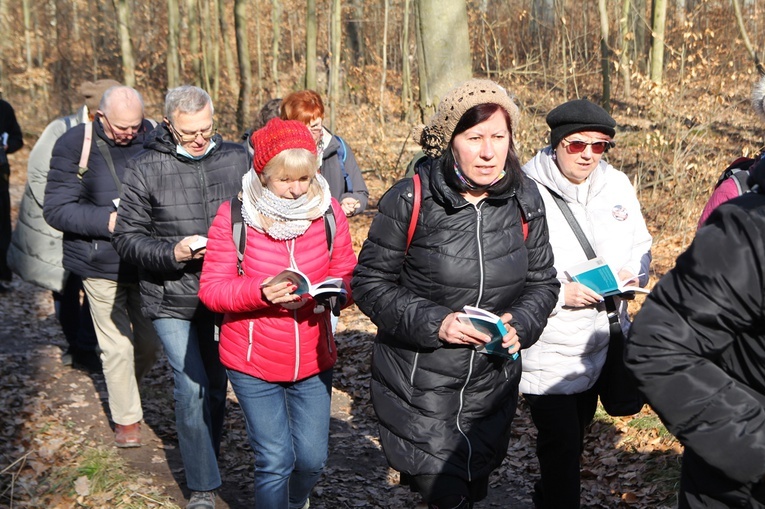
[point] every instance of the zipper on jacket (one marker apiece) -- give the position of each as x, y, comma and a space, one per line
479, 227
297, 345
205, 198
459, 414
414, 367
250, 326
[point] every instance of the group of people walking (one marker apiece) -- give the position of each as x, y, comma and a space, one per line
178, 234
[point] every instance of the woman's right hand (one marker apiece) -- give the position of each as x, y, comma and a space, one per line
281, 293
576, 295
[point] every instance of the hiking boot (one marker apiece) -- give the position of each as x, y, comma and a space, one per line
67, 357
201, 500
86, 360
128, 436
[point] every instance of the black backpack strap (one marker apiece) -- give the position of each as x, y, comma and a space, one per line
741, 178
330, 228
238, 233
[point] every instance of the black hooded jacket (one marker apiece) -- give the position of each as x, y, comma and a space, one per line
446, 409
167, 197
697, 346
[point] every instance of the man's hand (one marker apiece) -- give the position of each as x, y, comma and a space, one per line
112, 221
183, 251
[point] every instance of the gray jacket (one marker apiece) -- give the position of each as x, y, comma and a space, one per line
35, 253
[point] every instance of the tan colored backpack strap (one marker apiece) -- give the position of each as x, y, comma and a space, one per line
87, 141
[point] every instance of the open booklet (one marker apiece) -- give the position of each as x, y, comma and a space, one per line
328, 288
489, 324
597, 275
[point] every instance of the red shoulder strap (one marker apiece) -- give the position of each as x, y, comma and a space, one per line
415, 210
524, 226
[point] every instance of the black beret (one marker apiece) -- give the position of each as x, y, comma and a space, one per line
576, 116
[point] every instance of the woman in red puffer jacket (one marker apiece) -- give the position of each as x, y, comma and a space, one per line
277, 346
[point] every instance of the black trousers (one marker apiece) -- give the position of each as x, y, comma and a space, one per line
5, 221
74, 316
561, 421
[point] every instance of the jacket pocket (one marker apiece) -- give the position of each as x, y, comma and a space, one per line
250, 326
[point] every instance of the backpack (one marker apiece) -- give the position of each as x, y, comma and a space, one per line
342, 155
239, 231
739, 171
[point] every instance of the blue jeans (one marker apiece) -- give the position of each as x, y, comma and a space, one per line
288, 427
200, 396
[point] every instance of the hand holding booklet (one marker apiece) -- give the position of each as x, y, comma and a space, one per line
328, 288
491, 325
597, 275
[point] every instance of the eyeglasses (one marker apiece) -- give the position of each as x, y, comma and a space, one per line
578, 146
129, 130
206, 134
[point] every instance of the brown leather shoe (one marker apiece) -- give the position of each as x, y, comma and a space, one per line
127, 436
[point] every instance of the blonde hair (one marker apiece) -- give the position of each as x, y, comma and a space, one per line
293, 163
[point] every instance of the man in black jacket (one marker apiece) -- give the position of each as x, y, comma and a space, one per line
170, 196
81, 201
10, 141
697, 348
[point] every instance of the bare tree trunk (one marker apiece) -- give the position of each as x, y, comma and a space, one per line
259, 48
173, 34
243, 116
624, 60
745, 36
638, 24
445, 43
659, 23
228, 56
406, 71
384, 73
4, 43
336, 40
276, 15
605, 56
192, 15
126, 45
355, 32
27, 31
310, 45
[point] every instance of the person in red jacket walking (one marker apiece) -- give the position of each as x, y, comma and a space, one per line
277, 346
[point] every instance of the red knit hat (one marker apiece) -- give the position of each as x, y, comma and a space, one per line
276, 136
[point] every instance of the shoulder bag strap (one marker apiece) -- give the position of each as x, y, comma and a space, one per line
613, 316
238, 233
101, 144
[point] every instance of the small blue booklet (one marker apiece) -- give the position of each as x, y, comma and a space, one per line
491, 325
597, 275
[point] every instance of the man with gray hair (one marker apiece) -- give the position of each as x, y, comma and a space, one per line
170, 196
85, 178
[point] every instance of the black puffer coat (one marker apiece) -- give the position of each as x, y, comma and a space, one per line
80, 206
697, 348
447, 409
167, 197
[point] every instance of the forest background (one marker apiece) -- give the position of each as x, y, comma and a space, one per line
676, 75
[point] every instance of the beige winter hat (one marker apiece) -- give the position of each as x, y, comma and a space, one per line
435, 137
93, 90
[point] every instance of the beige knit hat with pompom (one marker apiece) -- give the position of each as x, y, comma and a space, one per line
435, 137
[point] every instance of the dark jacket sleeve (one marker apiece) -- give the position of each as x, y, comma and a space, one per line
64, 209
393, 307
697, 348
11, 126
531, 309
133, 238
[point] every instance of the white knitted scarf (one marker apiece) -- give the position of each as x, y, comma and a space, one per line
281, 218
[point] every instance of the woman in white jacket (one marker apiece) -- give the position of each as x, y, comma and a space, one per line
561, 369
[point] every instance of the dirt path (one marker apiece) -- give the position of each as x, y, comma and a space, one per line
356, 476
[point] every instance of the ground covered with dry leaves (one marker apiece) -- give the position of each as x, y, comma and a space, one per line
56, 448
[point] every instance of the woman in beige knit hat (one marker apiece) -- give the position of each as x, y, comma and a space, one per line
445, 404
